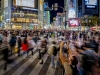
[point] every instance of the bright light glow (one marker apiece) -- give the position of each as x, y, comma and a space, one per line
27, 3
30, 9
71, 13
73, 22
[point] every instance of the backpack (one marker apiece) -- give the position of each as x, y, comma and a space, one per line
12, 42
54, 51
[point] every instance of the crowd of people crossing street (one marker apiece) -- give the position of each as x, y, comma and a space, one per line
49, 52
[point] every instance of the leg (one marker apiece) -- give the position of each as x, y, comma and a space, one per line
39, 54
41, 58
5, 65
52, 61
18, 51
32, 51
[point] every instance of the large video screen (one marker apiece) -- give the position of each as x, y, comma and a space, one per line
74, 22
71, 8
27, 3
90, 2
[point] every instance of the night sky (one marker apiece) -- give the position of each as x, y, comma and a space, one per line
60, 3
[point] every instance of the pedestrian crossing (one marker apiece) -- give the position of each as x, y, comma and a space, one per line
28, 66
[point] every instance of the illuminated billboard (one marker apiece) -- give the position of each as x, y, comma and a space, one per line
90, 7
74, 22
90, 2
71, 8
26, 3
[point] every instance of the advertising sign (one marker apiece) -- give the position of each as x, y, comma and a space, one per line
45, 6
91, 4
5, 3
41, 5
27, 3
74, 22
71, 8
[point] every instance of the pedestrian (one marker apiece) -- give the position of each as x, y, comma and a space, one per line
12, 44
53, 52
25, 47
19, 45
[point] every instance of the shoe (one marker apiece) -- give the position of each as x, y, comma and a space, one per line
19, 55
41, 62
39, 57
32, 53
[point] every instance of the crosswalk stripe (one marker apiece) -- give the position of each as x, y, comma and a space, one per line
22, 68
2, 62
30, 66
38, 67
50, 71
28, 70
1, 66
45, 67
16, 65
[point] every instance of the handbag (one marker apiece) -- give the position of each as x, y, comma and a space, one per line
16, 50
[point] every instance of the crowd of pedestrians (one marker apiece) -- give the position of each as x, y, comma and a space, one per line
77, 52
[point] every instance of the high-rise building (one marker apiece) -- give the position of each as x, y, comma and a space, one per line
41, 12
1, 12
19, 14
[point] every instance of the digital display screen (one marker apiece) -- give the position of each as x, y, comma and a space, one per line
90, 2
73, 22
27, 3
71, 8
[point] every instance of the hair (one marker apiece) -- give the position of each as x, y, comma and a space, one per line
74, 61
87, 62
53, 42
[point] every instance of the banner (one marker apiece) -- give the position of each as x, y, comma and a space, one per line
71, 8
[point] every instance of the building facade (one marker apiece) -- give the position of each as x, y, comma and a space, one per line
41, 12
19, 14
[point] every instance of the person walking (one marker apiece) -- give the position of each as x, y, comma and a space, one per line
25, 47
12, 44
53, 52
19, 45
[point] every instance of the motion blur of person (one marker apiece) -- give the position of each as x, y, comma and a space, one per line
5, 39
43, 48
19, 45
89, 64
31, 45
1, 38
25, 47
53, 52
70, 63
12, 44
39, 42
6, 55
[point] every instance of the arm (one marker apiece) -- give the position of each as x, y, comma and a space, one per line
62, 58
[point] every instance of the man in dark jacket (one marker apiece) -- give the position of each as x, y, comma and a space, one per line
12, 43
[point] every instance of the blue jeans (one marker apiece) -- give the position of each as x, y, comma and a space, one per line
52, 61
25, 52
